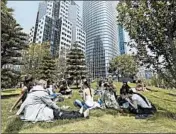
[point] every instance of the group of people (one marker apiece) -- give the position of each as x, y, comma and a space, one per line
38, 105
128, 99
38, 100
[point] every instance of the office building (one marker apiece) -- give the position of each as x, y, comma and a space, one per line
100, 25
78, 34
54, 26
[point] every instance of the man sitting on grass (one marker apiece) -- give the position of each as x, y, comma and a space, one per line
139, 105
38, 106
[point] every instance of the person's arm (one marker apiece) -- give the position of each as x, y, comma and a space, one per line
84, 95
19, 99
133, 103
47, 100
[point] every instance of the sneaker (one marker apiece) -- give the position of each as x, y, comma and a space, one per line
86, 113
141, 116
81, 110
65, 107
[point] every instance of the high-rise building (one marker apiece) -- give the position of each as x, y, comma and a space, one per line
54, 26
78, 35
99, 23
121, 41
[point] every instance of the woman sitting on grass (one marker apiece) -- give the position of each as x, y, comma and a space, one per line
108, 98
140, 105
88, 102
28, 84
38, 106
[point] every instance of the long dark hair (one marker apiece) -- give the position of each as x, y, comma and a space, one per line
28, 82
88, 85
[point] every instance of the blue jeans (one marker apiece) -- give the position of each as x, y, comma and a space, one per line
81, 104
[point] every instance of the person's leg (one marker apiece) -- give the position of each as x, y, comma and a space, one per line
78, 103
146, 111
69, 115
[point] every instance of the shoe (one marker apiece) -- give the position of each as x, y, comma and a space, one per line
81, 110
65, 107
86, 113
141, 116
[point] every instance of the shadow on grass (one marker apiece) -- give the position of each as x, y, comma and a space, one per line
174, 95
14, 126
161, 112
8, 96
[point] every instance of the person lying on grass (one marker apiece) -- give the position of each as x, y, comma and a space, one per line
139, 105
28, 84
38, 106
88, 94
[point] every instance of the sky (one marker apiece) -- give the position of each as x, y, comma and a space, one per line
26, 12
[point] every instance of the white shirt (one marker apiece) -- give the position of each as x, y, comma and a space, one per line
140, 101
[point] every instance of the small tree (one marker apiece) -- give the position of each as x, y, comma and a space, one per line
76, 65
125, 64
47, 69
32, 58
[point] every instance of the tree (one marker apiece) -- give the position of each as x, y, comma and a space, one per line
76, 65
125, 65
32, 58
47, 68
61, 65
152, 25
13, 41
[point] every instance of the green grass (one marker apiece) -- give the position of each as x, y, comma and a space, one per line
100, 120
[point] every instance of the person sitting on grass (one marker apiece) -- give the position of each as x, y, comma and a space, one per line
28, 84
140, 86
64, 89
123, 92
108, 97
139, 105
88, 94
38, 106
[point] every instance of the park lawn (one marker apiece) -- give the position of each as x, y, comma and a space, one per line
101, 121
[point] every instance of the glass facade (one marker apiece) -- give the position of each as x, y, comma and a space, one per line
121, 40
99, 23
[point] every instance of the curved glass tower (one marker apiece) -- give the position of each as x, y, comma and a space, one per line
99, 23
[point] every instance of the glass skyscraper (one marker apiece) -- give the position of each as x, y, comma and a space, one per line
100, 25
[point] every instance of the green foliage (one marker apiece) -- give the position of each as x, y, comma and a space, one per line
152, 26
76, 65
13, 41
47, 70
125, 64
32, 58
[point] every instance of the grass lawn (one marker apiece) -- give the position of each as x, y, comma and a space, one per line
100, 120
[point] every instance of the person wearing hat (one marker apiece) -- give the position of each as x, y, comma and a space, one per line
28, 84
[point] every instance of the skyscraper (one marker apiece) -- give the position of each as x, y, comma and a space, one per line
54, 25
78, 35
99, 23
